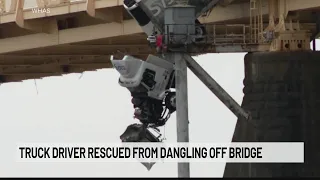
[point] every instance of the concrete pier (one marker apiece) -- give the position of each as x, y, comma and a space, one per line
282, 91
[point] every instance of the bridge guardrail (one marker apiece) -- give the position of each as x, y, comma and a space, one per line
214, 34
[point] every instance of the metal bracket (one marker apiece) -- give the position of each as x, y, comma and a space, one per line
216, 88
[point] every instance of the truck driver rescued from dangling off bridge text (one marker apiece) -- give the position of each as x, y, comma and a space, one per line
138, 152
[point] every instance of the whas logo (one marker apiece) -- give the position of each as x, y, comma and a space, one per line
40, 10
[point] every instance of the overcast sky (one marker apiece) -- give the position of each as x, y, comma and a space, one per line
96, 109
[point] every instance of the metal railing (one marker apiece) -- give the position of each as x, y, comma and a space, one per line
215, 34
256, 21
182, 2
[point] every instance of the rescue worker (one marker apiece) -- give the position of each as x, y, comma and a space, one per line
159, 43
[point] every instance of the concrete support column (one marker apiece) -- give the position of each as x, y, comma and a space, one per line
282, 91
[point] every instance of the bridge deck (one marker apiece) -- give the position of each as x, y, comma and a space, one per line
71, 38
80, 36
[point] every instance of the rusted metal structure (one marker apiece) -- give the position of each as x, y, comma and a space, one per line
61, 37
281, 71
